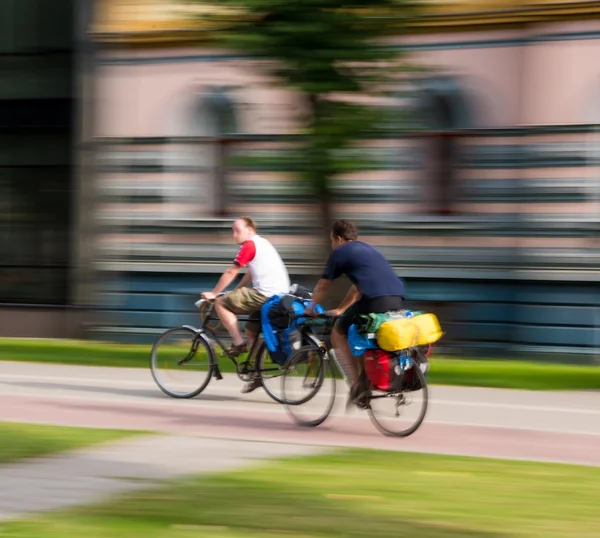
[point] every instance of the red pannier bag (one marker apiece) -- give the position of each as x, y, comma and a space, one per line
379, 367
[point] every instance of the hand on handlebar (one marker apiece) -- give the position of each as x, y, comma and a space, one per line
208, 295
309, 311
335, 313
312, 315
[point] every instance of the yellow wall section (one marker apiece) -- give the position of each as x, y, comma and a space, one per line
170, 21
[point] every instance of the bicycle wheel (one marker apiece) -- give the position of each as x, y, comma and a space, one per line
181, 363
400, 413
308, 386
270, 373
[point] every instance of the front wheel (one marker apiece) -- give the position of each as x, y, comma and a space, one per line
308, 386
181, 362
400, 413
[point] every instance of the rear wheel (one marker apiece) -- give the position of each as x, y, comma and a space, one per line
270, 373
400, 413
181, 362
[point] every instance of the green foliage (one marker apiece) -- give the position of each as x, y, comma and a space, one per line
331, 52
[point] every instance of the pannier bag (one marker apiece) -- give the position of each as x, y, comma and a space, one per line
359, 343
379, 367
391, 371
402, 333
280, 333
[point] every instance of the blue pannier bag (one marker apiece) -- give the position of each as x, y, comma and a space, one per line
277, 326
359, 343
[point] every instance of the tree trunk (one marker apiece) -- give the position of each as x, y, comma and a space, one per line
319, 164
326, 219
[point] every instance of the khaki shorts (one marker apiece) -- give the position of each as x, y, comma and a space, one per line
246, 301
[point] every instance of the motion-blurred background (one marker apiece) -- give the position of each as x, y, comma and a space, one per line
133, 132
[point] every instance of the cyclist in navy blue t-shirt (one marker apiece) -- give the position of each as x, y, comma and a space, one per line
375, 289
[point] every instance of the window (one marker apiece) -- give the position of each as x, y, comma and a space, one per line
444, 112
216, 119
210, 119
443, 150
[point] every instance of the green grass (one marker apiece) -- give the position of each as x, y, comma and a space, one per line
87, 353
444, 371
356, 493
513, 374
21, 441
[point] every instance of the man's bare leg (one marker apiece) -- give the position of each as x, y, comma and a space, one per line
255, 382
250, 336
230, 322
339, 341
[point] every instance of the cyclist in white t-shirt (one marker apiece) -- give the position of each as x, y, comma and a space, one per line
267, 274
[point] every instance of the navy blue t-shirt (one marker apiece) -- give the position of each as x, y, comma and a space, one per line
366, 268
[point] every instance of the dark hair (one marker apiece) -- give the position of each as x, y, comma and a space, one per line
344, 229
249, 222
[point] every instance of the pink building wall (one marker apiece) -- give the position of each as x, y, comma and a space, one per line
552, 80
506, 84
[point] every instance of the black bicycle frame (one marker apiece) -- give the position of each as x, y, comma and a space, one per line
203, 328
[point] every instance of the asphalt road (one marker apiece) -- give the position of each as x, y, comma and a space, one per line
543, 426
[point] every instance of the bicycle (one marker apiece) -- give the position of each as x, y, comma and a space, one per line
319, 362
190, 351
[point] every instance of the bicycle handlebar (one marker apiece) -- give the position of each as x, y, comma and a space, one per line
307, 318
316, 316
314, 320
199, 303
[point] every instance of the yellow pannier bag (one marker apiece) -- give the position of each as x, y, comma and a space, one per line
401, 333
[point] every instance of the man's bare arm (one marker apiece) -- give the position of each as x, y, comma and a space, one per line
319, 293
352, 296
226, 278
246, 279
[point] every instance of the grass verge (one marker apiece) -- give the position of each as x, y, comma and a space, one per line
511, 374
357, 493
22, 441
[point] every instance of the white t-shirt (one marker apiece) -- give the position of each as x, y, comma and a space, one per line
269, 274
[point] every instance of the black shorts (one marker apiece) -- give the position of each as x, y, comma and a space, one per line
377, 305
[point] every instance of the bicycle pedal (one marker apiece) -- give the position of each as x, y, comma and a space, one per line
217, 375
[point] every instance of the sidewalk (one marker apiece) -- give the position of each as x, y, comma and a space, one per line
94, 474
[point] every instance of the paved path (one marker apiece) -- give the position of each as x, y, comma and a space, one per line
86, 476
547, 426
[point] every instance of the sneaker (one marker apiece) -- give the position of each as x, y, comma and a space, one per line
251, 386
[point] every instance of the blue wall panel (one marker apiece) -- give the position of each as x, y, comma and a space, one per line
482, 316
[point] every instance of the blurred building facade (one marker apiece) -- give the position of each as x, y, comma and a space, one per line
491, 217
41, 46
